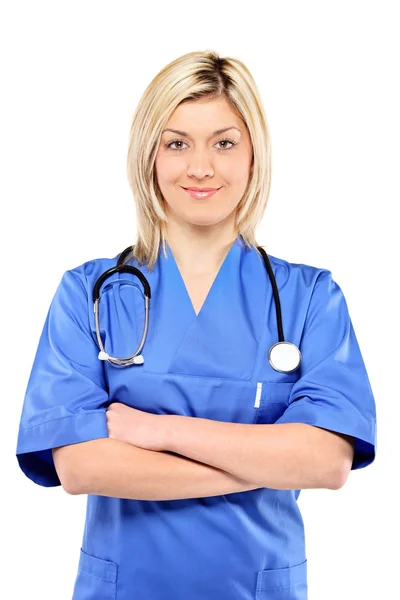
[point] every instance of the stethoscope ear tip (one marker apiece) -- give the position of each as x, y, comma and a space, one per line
136, 360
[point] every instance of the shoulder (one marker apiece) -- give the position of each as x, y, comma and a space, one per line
81, 278
311, 288
299, 275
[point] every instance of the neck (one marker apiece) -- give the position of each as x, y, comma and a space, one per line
198, 250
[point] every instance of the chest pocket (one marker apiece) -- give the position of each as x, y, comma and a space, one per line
272, 399
209, 398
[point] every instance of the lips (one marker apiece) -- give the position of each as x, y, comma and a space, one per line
195, 189
201, 192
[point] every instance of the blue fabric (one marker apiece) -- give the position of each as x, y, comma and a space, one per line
241, 546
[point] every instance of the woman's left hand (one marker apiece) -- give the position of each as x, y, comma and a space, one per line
136, 427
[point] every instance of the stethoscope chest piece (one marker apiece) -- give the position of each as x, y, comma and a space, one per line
284, 357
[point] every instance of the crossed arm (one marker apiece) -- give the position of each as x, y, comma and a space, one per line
194, 457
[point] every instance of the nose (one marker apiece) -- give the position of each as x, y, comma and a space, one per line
200, 165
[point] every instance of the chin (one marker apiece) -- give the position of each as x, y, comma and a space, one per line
206, 221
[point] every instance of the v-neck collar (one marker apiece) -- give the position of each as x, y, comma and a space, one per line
181, 289
221, 339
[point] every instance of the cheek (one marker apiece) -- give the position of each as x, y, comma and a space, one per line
167, 170
235, 171
241, 168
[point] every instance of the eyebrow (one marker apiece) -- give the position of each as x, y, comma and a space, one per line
184, 133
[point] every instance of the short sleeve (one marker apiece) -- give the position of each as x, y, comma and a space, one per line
333, 391
66, 396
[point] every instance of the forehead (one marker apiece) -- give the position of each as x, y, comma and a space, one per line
204, 114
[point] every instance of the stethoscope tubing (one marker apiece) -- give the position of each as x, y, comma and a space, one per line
136, 358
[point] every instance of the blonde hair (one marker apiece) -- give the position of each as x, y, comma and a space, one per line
190, 77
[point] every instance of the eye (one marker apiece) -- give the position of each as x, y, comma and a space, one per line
229, 142
169, 145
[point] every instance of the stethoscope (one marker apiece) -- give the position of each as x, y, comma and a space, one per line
283, 357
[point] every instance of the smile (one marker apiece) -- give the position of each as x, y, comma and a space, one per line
195, 194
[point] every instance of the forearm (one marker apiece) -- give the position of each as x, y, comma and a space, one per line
280, 456
110, 467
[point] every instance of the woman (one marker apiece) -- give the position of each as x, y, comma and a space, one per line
193, 457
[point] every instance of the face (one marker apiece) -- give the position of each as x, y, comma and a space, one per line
198, 157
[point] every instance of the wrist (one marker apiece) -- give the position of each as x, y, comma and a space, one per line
168, 435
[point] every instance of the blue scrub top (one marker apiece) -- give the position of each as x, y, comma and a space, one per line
240, 546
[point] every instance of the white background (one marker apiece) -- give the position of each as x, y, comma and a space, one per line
71, 76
